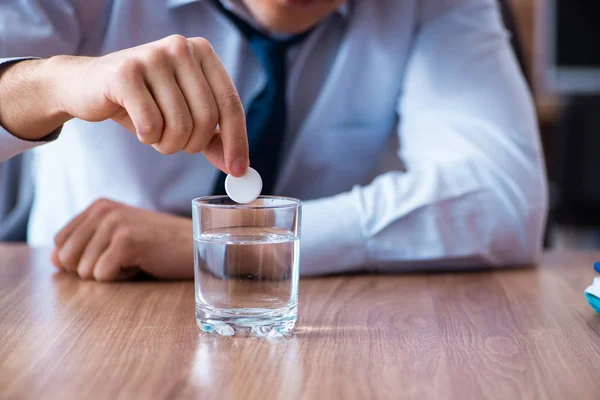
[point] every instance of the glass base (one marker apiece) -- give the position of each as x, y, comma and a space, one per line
259, 322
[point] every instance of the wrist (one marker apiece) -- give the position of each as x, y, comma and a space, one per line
27, 89
52, 72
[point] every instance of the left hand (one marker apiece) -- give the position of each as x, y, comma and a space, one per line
112, 241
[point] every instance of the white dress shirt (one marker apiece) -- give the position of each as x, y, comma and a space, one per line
411, 135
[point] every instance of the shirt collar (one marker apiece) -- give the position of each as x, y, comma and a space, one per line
343, 9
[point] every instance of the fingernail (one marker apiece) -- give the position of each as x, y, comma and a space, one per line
239, 167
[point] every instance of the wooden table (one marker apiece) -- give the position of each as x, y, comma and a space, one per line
511, 334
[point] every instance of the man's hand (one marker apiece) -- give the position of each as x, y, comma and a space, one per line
171, 93
111, 241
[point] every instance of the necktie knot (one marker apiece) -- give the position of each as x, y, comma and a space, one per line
270, 52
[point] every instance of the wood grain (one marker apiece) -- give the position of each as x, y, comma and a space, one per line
511, 334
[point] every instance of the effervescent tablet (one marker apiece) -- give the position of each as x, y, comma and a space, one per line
244, 189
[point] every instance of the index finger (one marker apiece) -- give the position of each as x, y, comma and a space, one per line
232, 119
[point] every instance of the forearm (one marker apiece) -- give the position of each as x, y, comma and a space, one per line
460, 214
332, 237
28, 98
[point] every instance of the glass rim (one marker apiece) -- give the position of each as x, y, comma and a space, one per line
203, 201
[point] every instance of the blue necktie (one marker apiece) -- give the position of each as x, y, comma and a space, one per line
266, 115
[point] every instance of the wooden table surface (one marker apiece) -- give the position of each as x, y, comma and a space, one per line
511, 334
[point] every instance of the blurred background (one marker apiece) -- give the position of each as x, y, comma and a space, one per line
561, 56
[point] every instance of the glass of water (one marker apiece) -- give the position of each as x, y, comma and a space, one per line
246, 259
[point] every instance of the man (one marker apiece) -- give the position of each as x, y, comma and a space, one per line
409, 131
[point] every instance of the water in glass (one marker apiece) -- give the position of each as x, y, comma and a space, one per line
246, 280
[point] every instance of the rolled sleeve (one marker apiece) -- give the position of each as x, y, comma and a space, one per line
11, 145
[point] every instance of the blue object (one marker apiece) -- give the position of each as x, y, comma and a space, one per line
594, 301
592, 293
597, 267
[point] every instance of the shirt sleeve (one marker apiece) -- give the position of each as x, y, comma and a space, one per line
30, 29
474, 192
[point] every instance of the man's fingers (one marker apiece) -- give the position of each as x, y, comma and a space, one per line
232, 119
178, 123
199, 98
140, 114
174, 94
98, 243
70, 252
214, 152
61, 237
54, 259
114, 260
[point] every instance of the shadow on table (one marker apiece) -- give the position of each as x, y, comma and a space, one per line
140, 278
431, 271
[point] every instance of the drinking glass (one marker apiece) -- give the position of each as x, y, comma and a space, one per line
246, 259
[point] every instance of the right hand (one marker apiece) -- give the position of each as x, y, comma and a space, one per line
171, 93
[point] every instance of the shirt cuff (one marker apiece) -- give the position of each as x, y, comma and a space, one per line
332, 240
10, 145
